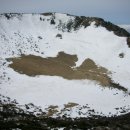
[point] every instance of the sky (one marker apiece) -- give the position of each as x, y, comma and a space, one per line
116, 11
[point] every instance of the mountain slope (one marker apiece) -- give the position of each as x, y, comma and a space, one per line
127, 27
40, 53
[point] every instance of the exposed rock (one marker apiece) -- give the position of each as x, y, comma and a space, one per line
86, 21
81, 21
52, 21
128, 41
39, 37
47, 14
121, 55
59, 36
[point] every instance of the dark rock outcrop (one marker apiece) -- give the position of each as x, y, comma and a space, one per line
80, 21
128, 41
86, 21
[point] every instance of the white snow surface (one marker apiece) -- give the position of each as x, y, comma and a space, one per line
20, 35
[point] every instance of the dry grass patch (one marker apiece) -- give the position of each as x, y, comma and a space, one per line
70, 105
51, 110
63, 65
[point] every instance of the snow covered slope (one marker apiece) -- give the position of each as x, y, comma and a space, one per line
46, 35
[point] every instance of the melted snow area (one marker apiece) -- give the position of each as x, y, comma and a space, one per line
33, 34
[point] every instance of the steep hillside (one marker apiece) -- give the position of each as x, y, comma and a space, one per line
67, 66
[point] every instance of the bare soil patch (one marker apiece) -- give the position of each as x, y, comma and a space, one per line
62, 65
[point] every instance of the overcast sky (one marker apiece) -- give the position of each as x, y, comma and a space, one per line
116, 11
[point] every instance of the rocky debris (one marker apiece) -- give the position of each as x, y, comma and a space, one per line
47, 14
13, 117
52, 21
11, 15
128, 41
78, 22
39, 37
121, 55
59, 36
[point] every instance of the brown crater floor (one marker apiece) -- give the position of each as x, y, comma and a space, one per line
63, 65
